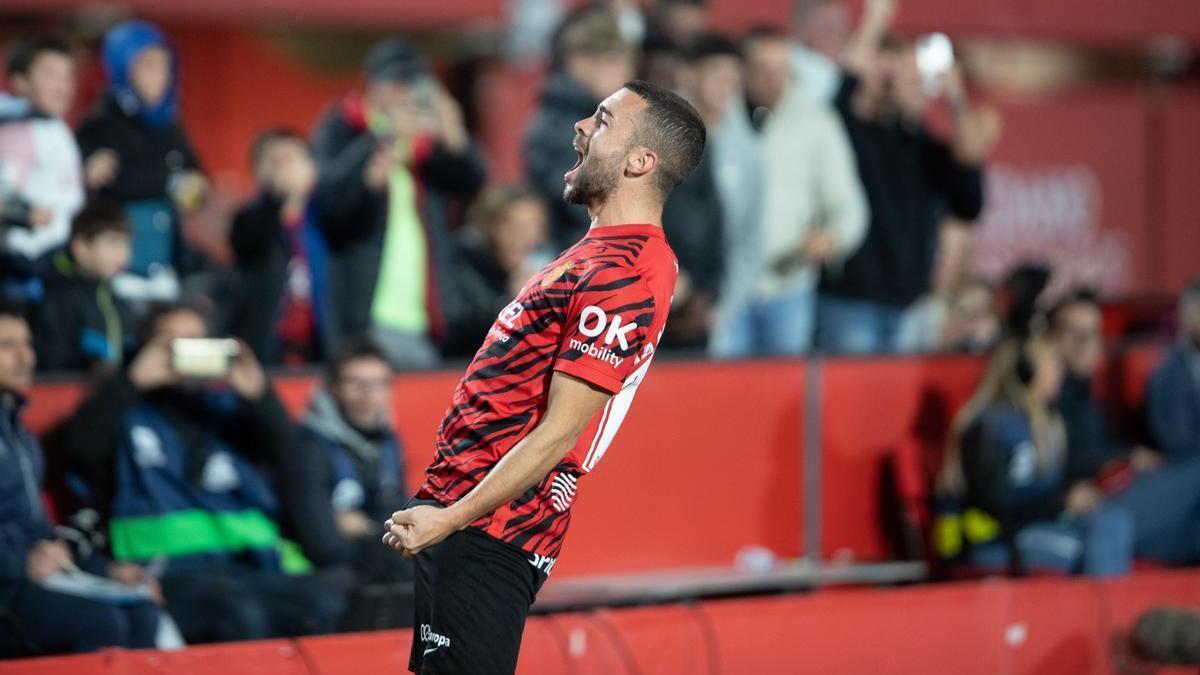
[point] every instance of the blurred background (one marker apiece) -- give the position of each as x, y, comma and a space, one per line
937, 322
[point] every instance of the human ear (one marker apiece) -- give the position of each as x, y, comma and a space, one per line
641, 162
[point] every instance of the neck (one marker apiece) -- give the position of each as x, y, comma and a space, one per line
618, 210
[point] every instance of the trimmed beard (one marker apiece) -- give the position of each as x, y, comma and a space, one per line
594, 182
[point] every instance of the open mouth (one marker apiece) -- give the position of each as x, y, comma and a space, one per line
579, 155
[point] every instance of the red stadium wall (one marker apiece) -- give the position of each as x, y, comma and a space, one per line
1032, 627
709, 459
723, 437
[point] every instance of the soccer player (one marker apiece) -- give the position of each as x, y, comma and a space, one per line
546, 392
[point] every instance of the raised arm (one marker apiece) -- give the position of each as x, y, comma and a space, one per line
572, 405
862, 49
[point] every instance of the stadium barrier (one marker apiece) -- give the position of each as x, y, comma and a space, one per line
710, 461
1033, 627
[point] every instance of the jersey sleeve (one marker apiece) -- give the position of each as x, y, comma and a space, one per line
608, 333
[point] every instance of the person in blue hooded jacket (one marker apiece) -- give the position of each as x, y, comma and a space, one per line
35, 620
136, 151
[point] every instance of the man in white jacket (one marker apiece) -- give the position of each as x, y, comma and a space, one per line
813, 211
41, 187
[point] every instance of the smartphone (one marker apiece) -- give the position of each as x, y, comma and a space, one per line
935, 56
203, 359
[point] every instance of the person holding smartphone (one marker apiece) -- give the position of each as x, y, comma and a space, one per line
175, 452
911, 177
387, 160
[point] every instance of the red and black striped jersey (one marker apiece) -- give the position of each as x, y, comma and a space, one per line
596, 313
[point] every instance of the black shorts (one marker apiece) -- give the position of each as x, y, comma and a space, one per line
472, 595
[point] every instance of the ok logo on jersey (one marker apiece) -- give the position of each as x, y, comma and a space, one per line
593, 321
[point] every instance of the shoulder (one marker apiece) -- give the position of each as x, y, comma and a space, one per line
1173, 364
1005, 424
625, 256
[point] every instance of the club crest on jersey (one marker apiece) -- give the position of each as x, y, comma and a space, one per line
508, 315
556, 273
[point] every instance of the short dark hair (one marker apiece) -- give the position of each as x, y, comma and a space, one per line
25, 52
264, 138
353, 350
1080, 295
709, 45
672, 128
11, 309
99, 215
160, 310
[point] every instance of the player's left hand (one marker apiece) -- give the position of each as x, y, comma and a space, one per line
413, 530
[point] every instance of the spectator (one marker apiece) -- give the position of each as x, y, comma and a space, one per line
680, 22
694, 217
1075, 325
971, 325
41, 184
497, 253
1173, 395
960, 313
1163, 502
136, 151
170, 463
352, 477
911, 180
813, 212
43, 620
280, 254
82, 325
592, 60
675, 25
387, 159
821, 29
1007, 462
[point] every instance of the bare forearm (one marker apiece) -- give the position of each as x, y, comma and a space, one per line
522, 468
862, 49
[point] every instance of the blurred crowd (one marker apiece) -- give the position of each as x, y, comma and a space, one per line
826, 216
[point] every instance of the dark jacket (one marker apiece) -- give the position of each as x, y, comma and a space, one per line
263, 250
912, 180
148, 155
81, 323
1002, 473
1173, 403
480, 290
98, 438
692, 220
343, 468
354, 219
1090, 441
548, 153
23, 521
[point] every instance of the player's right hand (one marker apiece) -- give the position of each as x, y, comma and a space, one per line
413, 530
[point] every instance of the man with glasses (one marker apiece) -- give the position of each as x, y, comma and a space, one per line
1163, 501
351, 478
